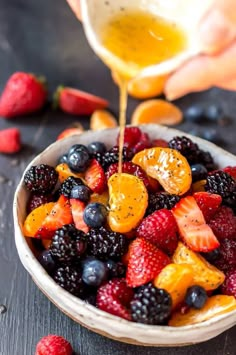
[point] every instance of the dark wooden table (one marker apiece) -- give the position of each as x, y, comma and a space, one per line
45, 38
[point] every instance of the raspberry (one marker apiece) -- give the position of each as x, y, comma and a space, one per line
10, 140
41, 178
70, 278
114, 297
38, 200
150, 305
160, 200
186, 147
132, 136
229, 285
69, 184
133, 169
160, 143
231, 170
53, 345
143, 143
112, 156
68, 243
223, 223
105, 244
227, 258
160, 228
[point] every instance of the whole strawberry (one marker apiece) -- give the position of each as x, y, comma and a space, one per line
10, 140
53, 345
24, 93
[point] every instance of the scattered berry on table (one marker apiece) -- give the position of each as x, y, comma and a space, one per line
115, 269
47, 261
151, 305
41, 178
97, 147
229, 285
160, 200
199, 172
208, 203
70, 278
10, 140
223, 223
196, 297
95, 214
69, 184
94, 272
68, 243
105, 244
114, 297
53, 345
194, 113
38, 200
78, 158
81, 192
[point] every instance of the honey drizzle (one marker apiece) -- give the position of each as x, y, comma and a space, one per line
122, 117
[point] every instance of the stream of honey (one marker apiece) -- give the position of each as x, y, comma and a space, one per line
139, 39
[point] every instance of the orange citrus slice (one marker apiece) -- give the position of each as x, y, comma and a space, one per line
35, 219
157, 111
168, 166
128, 200
102, 119
64, 172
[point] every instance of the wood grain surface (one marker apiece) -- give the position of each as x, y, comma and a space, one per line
45, 38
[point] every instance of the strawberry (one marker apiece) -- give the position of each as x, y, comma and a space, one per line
114, 297
160, 228
192, 226
229, 285
95, 177
231, 170
145, 262
223, 223
160, 143
77, 209
69, 132
53, 345
133, 169
58, 217
10, 141
77, 102
208, 203
132, 136
24, 93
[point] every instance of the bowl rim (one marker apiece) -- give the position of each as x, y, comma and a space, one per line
49, 286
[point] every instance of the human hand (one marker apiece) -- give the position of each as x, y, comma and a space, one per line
216, 67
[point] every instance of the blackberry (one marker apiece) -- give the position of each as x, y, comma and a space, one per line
105, 244
159, 200
112, 156
206, 159
186, 147
221, 183
70, 278
38, 200
69, 184
68, 243
151, 305
41, 178
116, 269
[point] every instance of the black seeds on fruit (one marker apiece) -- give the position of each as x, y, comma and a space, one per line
160, 200
70, 278
41, 178
221, 183
69, 184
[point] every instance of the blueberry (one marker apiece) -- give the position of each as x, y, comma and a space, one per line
97, 147
81, 192
212, 135
213, 113
196, 297
199, 172
212, 256
78, 158
94, 272
95, 214
63, 159
194, 114
116, 269
47, 261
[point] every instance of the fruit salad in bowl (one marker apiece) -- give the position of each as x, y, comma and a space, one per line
144, 252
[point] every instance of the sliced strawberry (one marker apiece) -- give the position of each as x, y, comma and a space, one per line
77, 102
77, 209
145, 262
58, 217
208, 203
95, 177
192, 226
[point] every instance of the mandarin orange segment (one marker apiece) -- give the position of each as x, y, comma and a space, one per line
102, 119
157, 111
175, 278
214, 306
168, 166
205, 274
101, 198
35, 219
199, 186
64, 172
128, 200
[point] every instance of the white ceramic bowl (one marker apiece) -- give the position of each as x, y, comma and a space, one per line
85, 314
